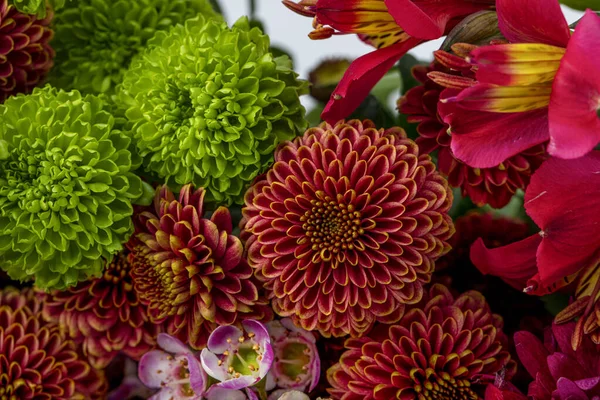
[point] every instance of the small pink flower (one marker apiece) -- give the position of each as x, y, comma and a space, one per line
296, 364
175, 370
238, 359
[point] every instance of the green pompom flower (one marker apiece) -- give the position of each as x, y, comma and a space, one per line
95, 40
66, 189
208, 105
37, 7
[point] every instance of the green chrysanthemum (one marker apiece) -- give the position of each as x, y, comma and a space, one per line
209, 104
95, 40
37, 7
65, 187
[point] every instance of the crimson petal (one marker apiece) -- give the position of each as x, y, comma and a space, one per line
485, 139
541, 21
429, 19
562, 199
573, 120
514, 263
361, 76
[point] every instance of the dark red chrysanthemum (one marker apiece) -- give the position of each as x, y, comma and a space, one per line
25, 52
36, 361
105, 315
493, 186
442, 349
345, 227
189, 270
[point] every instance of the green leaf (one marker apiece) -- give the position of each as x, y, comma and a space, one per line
582, 4
555, 302
371, 108
390, 84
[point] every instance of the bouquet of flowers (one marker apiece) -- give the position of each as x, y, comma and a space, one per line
175, 225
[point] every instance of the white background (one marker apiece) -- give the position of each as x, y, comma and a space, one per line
289, 31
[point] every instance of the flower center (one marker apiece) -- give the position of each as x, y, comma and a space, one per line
243, 357
292, 360
118, 272
442, 386
331, 225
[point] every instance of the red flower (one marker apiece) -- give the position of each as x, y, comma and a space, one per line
495, 231
559, 372
345, 227
105, 315
562, 199
36, 361
189, 270
442, 349
25, 52
530, 90
393, 26
495, 185
493, 392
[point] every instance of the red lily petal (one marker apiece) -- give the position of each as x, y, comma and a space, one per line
360, 77
430, 19
562, 199
486, 139
532, 354
573, 119
494, 393
514, 263
541, 21
521, 64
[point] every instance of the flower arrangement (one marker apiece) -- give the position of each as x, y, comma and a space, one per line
174, 223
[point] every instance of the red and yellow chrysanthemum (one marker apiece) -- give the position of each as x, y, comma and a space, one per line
190, 270
543, 85
105, 315
345, 228
36, 361
25, 52
442, 349
392, 26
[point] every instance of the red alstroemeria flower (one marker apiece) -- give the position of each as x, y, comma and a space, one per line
543, 85
393, 26
562, 199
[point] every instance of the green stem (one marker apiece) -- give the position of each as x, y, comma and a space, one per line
252, 9
262, 389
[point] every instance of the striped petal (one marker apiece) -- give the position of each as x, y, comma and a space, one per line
504, 99
484, 139
573, 119
517, 64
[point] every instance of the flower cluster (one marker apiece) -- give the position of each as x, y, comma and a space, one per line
95, 41
190, 271
36, 360
209, 104
25, 52
66, 187
345, 228
445, 349
175, 225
